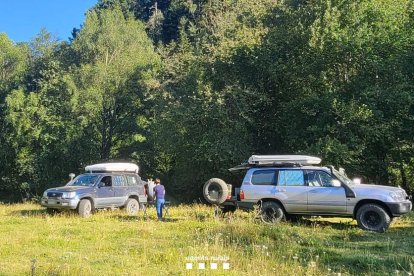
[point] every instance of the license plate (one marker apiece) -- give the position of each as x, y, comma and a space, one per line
51, 201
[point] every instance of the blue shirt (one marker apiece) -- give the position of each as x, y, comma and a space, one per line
159, 191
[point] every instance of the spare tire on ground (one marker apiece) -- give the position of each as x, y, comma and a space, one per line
215, 191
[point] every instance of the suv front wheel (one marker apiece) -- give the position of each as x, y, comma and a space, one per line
271, 212
373, 217
85, 208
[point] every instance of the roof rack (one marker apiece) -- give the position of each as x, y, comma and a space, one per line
282, 159
112, 167
277, 161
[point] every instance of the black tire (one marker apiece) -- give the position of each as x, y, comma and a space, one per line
132, 206
85, 208
271, 212
373, 217
215, 191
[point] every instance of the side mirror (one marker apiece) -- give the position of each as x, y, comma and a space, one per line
101, 184
356, 180
336, 183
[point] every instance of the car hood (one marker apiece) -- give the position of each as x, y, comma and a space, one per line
371, 187
68, 188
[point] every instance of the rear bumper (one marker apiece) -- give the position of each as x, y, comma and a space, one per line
59, 203
400, 208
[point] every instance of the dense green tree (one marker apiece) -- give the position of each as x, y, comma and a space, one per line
189, 88
118, 65
13, 65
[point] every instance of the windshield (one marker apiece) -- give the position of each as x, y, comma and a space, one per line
342, 177
84, 180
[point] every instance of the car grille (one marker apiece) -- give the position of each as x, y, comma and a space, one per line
54, 194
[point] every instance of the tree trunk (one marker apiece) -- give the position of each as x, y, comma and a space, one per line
404, 182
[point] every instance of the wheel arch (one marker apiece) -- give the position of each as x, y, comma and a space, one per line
371, 201
88, 198
274, 200
134, 196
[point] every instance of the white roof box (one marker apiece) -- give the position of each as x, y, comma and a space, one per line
283, 159
113, 167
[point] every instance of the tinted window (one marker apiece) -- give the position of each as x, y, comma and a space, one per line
264, 177
106, 181
131, 180
319, 179
291, 178
118, 180
84, 180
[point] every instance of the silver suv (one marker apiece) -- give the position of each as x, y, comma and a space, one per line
106, 185
288, 186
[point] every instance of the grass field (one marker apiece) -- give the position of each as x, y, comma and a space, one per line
112, 243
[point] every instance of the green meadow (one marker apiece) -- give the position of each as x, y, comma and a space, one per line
113, 243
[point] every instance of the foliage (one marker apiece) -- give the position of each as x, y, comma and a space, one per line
190, 88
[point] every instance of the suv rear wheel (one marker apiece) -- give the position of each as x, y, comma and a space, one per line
271, 212
132, 206
373, 217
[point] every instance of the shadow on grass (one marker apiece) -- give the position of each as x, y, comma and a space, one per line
324, 223
142, 218
41, 213
32, 213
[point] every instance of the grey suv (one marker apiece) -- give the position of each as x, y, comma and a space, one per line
288, 186
103, 186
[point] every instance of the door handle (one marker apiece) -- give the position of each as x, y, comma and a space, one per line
280, 190
313, 191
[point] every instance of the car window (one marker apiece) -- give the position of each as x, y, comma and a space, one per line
131, 180
118, 180
106, 181
291, 178
264, 177
84, 180
319, 179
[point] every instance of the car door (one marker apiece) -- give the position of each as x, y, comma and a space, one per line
323, 196
104, 193
292, 190
120, 189
259, 184
136, 187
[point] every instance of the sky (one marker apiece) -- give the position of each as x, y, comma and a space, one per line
22, 20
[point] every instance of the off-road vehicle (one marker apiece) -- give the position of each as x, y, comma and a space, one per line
287, 186
107, 185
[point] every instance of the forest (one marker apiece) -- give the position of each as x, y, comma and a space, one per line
189, 88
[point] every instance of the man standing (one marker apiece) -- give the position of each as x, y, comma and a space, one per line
159, 194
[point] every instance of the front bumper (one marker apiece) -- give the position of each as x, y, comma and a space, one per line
400, 208
60, 203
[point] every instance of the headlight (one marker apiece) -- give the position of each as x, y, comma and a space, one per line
68, 194
45, 193
397, 196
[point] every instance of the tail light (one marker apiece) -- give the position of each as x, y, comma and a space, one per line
146, 189
241, 194
229, 187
